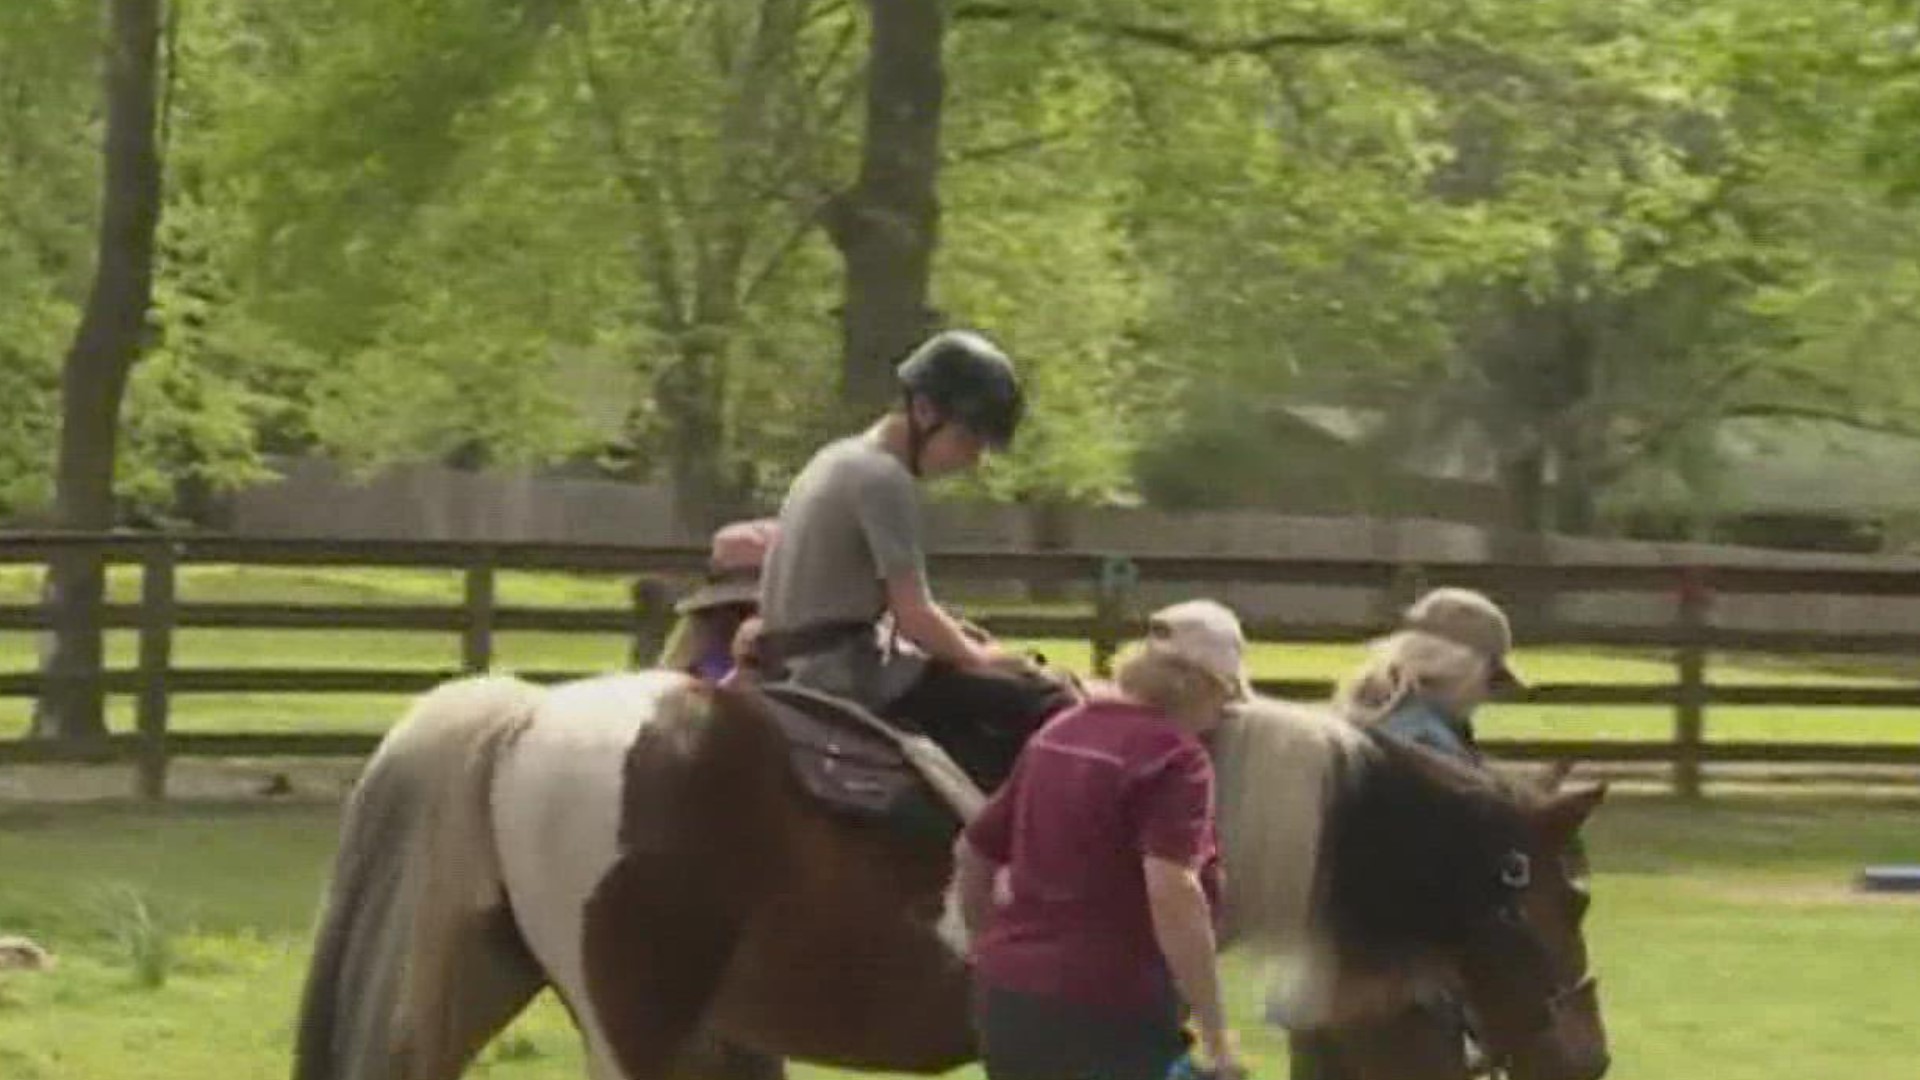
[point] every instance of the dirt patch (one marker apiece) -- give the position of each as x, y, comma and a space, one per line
1803, 894
226, 780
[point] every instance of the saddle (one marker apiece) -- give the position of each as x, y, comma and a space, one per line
856, 764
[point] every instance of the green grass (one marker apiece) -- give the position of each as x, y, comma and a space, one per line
533, 651
1728, 944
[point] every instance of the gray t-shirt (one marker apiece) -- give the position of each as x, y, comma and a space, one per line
851, 520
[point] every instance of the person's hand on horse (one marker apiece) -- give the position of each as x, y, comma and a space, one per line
998, 656
992, 655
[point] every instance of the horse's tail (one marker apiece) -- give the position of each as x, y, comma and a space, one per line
417, 961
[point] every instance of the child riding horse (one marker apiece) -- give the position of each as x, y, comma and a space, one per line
851, 554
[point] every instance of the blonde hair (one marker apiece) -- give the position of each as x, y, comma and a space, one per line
1410, 662
1170, 683
694, 634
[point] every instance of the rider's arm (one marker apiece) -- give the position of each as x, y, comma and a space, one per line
928, 625
889, 509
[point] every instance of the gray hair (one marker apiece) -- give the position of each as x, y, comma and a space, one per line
1404, 663
1169, 682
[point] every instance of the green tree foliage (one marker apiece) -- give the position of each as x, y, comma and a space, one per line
525, 231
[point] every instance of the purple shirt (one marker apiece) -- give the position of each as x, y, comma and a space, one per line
715, 665
1100, 787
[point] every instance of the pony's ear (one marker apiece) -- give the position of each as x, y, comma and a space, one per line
1562, 814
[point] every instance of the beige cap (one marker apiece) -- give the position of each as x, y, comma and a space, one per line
1207, 634
1470, 619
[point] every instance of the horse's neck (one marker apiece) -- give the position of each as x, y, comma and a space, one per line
1409, 855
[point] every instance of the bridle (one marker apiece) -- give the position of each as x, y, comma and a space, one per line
1516, 876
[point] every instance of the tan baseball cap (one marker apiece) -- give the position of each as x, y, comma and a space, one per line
1207, 634
1469, 619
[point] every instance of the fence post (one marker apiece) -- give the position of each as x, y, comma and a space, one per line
652, 622
1113, 596
476, 645
1409, 581
1689, 721
157, 610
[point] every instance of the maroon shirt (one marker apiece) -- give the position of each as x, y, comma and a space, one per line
1100, 787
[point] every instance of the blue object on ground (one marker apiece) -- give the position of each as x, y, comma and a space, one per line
1900, 879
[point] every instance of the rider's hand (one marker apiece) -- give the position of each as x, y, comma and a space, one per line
991, 654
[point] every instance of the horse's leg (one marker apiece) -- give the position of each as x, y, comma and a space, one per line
1416, 1044
1315, 1057
702, 833
498, 978
660, 933
710, 1057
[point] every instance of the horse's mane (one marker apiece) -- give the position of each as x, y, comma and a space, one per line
1413, 850
1345, 847
1281, 766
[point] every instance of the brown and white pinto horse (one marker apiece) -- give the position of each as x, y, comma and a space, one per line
639, 843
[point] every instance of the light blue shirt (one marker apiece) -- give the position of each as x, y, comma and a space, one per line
1418, 721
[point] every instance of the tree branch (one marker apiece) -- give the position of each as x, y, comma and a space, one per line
1793, 411
658, 251
973, 155
1174, 38
778, 258
1665, 428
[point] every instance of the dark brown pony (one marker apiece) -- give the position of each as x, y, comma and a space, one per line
1425, 1041
640, 844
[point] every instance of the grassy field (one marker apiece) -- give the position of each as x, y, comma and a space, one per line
1729, 945
533, 651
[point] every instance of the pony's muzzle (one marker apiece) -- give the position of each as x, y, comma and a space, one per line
1573, 1046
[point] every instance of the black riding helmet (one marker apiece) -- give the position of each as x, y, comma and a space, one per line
970, 382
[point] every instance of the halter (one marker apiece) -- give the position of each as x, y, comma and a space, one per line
1516, 873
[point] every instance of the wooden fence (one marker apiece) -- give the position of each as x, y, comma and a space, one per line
1110, 582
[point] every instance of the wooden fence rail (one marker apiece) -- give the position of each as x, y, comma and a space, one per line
1691, 636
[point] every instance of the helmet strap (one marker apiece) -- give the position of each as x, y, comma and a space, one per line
917, 436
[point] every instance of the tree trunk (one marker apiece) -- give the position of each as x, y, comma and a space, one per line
887, 225
1575, 501
94, 378
1524, 477
1049, 528
1577, 428
690, 395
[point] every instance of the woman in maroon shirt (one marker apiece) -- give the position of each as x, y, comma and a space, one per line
1091, 881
